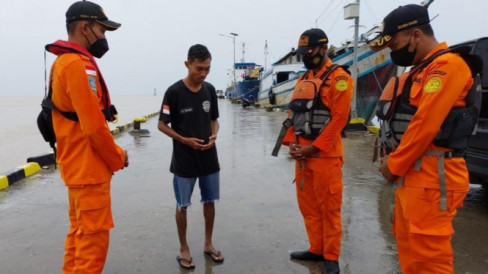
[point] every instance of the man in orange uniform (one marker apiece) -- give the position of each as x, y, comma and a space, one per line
87, 154
319, 156
432, 180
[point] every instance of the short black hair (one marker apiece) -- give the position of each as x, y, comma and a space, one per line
427, 29
70, 27
198, 52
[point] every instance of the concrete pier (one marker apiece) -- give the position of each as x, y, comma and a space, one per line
257, 219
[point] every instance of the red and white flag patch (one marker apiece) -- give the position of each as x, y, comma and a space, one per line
166, 109
91, 70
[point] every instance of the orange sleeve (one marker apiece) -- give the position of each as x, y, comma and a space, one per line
339, 102
444, 84
91, 119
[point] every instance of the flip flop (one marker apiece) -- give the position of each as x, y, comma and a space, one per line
179, 259
214, 256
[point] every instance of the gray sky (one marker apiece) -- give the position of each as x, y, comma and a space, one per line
148, 51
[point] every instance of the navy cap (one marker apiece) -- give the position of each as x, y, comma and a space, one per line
401, 18
86, 10
310, 39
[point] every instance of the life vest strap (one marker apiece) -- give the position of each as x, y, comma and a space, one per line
286, 124
441, 170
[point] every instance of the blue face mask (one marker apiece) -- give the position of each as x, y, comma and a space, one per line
403, 57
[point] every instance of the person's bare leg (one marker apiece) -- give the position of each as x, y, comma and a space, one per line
180, 216
209, 215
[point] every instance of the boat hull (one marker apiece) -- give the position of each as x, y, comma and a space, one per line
247, 89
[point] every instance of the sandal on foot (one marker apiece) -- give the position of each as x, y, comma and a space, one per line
214, 256
190, 261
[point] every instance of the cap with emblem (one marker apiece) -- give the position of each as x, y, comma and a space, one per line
401, 18
86, 10
310, 39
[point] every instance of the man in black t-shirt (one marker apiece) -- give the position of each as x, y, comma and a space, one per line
190, 106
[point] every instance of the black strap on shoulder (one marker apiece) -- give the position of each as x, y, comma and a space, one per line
332, 68
474, 62
328, 71
324, 77
47, 102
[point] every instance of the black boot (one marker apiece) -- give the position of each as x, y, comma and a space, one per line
306, 255
331, 267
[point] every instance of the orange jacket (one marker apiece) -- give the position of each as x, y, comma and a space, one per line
336, 95
443, 84
87, 153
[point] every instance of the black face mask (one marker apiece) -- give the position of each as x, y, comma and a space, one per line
313, 61
99, 47
403, 57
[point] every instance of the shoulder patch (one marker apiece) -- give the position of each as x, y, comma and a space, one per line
166, 109
341, 85
434, 84
92, 81
91, 70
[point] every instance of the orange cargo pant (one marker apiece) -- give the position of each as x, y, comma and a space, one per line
90, 217
319, 197
423, 231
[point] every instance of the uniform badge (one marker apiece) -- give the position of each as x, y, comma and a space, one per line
93, 83
341, 85
433, 85
206, 106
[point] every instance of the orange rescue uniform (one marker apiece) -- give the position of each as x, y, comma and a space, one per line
87, 156
320, 197
423, 231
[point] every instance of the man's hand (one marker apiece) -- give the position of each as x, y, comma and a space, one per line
211, 142
385, 171
126, 163
301, 152
195, 143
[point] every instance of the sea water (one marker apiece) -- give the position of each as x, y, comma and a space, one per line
20, 137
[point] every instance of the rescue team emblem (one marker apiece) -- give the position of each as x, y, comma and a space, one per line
434, 84
341, 85
93, 83
206, 106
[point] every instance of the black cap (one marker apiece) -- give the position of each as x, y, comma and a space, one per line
86, 10
401, 18
310, 39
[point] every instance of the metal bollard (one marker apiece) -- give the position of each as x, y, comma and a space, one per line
137, 126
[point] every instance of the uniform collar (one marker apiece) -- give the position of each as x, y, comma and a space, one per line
327, 65
440, 46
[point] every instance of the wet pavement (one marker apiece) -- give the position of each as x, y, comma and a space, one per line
257, 223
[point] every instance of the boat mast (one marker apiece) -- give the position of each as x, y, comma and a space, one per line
354, 13
265, 54
243, 60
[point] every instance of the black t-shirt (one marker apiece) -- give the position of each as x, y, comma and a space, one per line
190, 115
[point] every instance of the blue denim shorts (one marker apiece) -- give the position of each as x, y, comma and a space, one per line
209, 189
